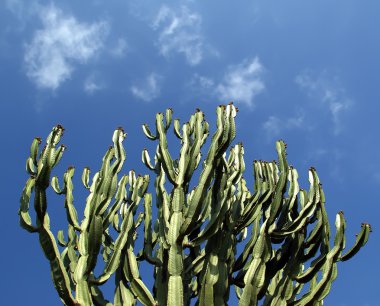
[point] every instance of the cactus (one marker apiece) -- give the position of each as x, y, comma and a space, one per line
267, 243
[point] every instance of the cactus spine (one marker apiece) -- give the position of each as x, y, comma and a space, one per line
193, 242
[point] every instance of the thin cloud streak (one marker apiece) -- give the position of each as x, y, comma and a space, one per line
328, 92
92, 84
274, 125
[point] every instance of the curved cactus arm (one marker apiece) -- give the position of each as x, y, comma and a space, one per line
298, 223
361, 240
177, 128
148, 133
86, 177
329, 268
200, 135
60, 278
254, 277
25, 219
34, 148
123, 294
166, 159
61, 239
48, 159
120, 243
242, 259
120, 196
131, 272
315, 266
281, 184
168, 118
55, 185
98, 298
83, 294
219, 207
71, 212
146, 159
148, 231
184, 158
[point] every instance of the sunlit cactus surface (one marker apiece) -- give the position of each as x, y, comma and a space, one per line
205, 231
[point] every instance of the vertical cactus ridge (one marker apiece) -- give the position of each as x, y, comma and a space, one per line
267, 242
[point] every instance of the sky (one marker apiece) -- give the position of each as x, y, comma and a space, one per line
302, 71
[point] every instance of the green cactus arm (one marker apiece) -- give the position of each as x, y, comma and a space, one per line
146, 160
83, 294
298, 223
167, 161
281, 184
242, 259
329, 268
95, 239
98, 298
200, 135
138, 288
61, 239
175, 290
148, 133
361, 240
60, 278
315, 266
25, 219
184, 158
120, 243
123, 294
71, 212
177, 128
168, 118
119, 200
148, 248
55, 185
217, 217
86, 177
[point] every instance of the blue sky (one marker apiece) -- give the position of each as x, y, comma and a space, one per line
302, 71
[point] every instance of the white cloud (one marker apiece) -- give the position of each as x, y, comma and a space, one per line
149, 89
179, 31
92, 84
242, 82
329, 92
62, 42
274, 125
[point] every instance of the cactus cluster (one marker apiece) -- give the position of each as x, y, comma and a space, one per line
268, 243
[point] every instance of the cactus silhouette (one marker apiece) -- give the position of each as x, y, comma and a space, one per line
267, 243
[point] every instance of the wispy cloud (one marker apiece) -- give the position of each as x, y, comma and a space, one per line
201, 82
242, 82
93, 84
274, 125
62, 42
179, 31
120, 48
148, 89
328, 92
20, 8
